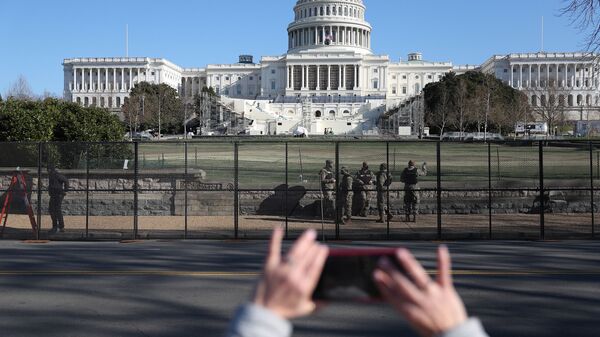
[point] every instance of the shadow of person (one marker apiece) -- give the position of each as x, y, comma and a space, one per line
277, 203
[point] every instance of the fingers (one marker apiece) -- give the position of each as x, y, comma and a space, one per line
413, 268
314, 269
444, 276
274, 256
399, 285
303, 243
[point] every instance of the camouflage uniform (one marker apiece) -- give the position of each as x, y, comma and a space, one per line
58, 185
346, 195
384, 180
327, 177
364, 183
410, 178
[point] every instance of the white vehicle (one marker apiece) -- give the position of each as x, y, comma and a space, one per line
523, 129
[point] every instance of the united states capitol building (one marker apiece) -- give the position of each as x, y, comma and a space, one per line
329, 81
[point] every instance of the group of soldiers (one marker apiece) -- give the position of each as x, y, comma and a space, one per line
357, 189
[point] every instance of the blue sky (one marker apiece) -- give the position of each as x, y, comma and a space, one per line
36, 35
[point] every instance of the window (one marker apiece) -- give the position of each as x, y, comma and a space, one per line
394, 90
404, 90
322, 11
273, 71
375, 84
417, 77
505, 71
318, 114
251, 78
273, 85
216, 78
430, 77
226, 78
403, 77
238, 89
393, 77
375, 71
349, 124
346, 112
239, 78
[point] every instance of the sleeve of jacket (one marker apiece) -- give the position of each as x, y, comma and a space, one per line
254, 321
471, 328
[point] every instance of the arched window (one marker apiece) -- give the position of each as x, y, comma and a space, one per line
291, 112
346, 112
552, 101
118, 102
102, 102
561, 100
310, 12
94, 101
334, 11
86, 101
340, 11
331, 113
345, 11
534, 101
110, 102
328, 10
579, 100
318, 114
543, 100
79, 100
322, 11
588, 100
570, 100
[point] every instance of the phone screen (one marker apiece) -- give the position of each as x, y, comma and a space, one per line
348, 275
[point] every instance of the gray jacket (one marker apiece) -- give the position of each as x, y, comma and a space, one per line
254, 321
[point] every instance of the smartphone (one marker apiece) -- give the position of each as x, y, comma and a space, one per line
348, 275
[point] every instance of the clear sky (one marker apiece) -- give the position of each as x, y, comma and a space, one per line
36, 35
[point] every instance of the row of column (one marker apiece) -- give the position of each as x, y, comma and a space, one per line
319, 77
571, 76
333, 35
191, 86
108, 79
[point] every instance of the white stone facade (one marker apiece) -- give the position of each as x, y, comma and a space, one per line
570, 79
328, 81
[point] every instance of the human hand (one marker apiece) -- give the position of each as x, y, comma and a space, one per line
431, 308
287, 284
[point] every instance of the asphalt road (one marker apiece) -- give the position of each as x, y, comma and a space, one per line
192, 288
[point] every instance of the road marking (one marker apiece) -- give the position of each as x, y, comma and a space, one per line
256, 274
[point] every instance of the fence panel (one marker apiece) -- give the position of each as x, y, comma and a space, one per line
426, 225
210, 190
111, 182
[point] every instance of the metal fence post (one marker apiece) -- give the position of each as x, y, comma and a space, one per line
439, 189
490, 189
387, 159
87, 190
591, 145
39, 192
337, 191
542, 191
135, 190
185, 191
287, 188
236, 189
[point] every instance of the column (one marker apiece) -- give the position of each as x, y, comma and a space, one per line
355, 77
323, 34
106, 79
340, 77
328, 77
530, 78
512, 76
114, 86
98, 80
318, 77
547, 75
520, 76
122, 79
539, 76
74, 78
293, 83
302, 80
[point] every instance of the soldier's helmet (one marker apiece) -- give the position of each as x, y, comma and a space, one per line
345, 171
365, 165
328, 163
383, 167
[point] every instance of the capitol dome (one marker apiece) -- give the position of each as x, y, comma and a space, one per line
334, 25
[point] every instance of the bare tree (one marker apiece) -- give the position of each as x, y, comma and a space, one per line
20, 89
462, 103
551, 105
585, 15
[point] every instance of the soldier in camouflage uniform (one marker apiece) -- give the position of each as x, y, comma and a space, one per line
364, 186
346, 195
327, 177
410, 178
384, 180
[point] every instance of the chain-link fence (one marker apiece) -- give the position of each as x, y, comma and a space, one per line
236, 189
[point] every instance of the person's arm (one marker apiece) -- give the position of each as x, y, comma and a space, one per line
65, 182
433, 308
284, 291
423, 170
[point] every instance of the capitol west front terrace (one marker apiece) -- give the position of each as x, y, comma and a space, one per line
329, 80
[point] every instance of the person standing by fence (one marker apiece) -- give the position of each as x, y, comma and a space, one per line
327, 177
410, 178
364, 184
384, 180
346, 195
58, 186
